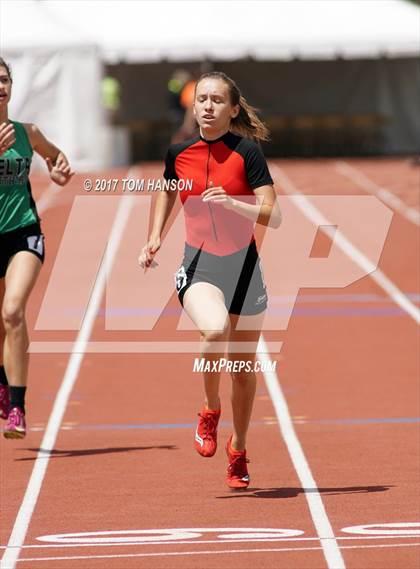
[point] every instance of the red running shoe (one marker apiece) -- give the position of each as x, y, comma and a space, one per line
206, 432
4, 401
237, 472
15, 427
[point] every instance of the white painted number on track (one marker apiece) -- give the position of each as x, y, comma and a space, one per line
176, 534
400, 529
220, 535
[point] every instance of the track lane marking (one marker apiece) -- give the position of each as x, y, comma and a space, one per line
319, 515
47, 197
20, 528
208, 541
372, 271
215, 552
362, 181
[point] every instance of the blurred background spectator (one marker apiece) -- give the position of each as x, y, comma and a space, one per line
181, 88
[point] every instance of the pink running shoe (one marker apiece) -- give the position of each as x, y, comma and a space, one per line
16, 426
4, 402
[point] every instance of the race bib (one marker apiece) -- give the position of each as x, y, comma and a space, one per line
36, 243
180, 278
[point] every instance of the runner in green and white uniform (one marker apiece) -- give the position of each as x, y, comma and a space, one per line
17, 208
21, 249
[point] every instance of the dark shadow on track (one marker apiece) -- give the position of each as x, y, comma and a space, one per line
56, 453
295, 492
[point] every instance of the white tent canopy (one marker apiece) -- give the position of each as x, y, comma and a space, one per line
32, 24
177, 30
56, 74
57, 48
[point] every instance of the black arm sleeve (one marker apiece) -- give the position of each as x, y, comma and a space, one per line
256, 167
170, 172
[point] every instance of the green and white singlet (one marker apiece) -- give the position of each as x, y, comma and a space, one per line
17, 207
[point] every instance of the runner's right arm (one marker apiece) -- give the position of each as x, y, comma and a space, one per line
7, 137
164, 204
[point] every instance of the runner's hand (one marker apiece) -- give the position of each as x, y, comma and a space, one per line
148, 252
217, 194
7, 136
60, 172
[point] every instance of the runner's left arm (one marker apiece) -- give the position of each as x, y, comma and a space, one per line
265, 212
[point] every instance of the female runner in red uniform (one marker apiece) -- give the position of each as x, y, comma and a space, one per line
220, 279
21, 249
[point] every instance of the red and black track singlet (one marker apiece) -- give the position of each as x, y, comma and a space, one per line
231, 161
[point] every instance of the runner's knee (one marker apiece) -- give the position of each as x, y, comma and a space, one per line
218, 334
242, 377
241, 367
12, 314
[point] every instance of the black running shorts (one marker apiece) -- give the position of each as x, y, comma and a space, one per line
238, 276
29, 238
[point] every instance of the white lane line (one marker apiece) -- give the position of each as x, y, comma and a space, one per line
394, 202
320, 519
208, 541
20, 528
48, 197
314, 215
214, 552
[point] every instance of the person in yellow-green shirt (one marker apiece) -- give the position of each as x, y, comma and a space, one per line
21, 249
